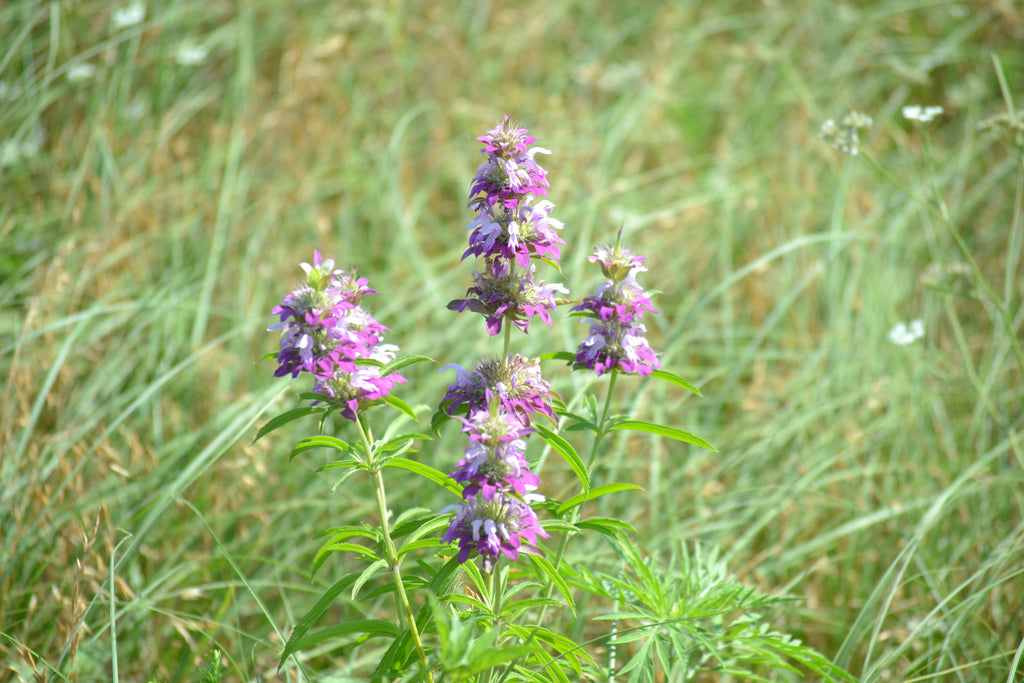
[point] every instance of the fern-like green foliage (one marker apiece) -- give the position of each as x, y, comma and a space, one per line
677, 616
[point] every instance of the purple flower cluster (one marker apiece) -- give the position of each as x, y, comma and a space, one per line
511, 171
326, 332
512, 227
616, 340
516, 383
494, 527
495, 517
513, 296
515, 234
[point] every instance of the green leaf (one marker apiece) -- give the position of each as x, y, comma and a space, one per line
363, 629
544, 566
337, 465
580, 422
427, 472
518, 607
315, 612
400, 405
662, 430
445, 577
311, 442
672, 378
399, 364
352, 548
595, 493
558, 525
337, 543
285, 418
569, 652
608, 526
568, 356
342, 478
437, 419
426, 527
367, 575
568, 453
550, 262
420, 545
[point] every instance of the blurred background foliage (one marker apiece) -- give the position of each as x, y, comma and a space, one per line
161, 179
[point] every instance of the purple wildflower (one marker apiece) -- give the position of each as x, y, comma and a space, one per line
496, 457
511, 171
624, 302
501, 525
518, 385
616, 340
351, 390
325, 331
509, 295
515, 235
613, 346
616, 262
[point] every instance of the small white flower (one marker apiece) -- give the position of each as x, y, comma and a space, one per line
903, 334
845, 136
131, 15
191, 55
82, 71
921, 114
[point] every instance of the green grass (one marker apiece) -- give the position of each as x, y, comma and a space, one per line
152, 215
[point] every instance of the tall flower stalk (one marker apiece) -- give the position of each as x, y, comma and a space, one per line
512, 229
327, 333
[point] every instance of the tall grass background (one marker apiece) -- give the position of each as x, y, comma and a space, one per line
153, 212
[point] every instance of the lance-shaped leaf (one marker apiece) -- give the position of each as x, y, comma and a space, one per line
595, 493
544, 566
427, 472
362, 630
662, 430
672, 378
285, 418
314, 614
568, 453
567, 356
400, 405
311, 442
399, 364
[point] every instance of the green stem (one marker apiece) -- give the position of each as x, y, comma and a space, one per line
604, 418
575, 514
496, 592
508, 341
563, 542
389, 547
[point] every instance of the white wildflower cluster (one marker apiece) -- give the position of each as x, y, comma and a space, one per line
906, 333
80, 72
191, 55
129, 15
845, 136
921, 114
